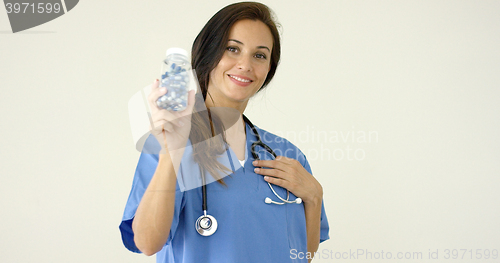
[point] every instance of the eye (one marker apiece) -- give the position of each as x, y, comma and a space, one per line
261, 56
232, 49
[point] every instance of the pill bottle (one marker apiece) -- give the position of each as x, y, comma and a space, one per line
175, 77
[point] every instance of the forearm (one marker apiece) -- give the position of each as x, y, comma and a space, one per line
154, 214
313, 225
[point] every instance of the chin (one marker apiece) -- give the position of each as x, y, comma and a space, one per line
239, 97
239, 94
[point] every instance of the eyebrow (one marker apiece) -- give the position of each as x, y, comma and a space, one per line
260, 47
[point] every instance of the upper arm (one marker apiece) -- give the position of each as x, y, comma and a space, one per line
145, 170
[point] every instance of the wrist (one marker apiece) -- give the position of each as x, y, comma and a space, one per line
314, 202
316, 197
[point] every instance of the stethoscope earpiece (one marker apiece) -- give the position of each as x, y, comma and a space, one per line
296, 201
269, 201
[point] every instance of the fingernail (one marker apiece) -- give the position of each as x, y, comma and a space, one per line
163, 89
266, 178
254, 162
256, 170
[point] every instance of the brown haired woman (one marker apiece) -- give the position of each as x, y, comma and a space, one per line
235, 55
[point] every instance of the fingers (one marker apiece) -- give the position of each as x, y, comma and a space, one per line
162, 120
275, 178
279, 164
291, 175
156, 92
164, 116
279, 158
168, 127
279, 178
156, 84
160, 126
190, 105
276, 181
282, 167
270, 172
285, 159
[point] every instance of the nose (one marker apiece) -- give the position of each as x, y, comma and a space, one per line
244, 63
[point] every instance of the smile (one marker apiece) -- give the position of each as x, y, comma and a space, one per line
240, 79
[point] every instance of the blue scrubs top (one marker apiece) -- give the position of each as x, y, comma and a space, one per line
249, 230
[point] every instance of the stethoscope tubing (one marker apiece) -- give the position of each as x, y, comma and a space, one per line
210, 223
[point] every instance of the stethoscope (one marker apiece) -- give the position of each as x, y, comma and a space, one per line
206, 224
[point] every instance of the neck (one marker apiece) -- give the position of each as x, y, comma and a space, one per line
237, 129
240, 106
231, 118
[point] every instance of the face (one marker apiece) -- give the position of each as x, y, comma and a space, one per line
244, 65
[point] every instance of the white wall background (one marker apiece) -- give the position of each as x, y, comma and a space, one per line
421, 75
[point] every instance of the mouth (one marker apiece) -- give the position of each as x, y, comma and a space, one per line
240, 80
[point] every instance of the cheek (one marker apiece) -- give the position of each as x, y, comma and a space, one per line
263, 72
225, 63
216, 73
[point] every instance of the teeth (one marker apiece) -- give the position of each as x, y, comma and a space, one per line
239, 79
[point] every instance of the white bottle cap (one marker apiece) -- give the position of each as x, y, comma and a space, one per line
177, 50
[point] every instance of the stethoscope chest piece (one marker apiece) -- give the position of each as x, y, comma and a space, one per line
206, 225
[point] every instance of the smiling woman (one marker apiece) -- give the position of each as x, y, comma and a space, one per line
235, 55
243, 68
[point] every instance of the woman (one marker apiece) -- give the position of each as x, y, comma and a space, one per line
235, 55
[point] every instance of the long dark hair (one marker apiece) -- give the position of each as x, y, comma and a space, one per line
211, 42
208, 49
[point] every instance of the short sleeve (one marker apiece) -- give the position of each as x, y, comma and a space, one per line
145, 170
325, 228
